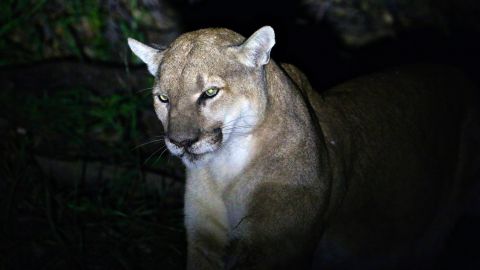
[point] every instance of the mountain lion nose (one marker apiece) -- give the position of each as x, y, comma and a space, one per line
183, 140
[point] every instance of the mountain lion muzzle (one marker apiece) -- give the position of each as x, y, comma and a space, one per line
370, 175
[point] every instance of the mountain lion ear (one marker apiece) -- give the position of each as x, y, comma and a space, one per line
255, 52
147, 54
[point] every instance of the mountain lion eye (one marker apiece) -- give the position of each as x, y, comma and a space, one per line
163, 98
210, 92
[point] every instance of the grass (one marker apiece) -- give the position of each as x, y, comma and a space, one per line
76, 192
32, 30
115, 222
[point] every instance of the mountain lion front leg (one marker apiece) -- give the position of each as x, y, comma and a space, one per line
278, 230
204, 251
206, 224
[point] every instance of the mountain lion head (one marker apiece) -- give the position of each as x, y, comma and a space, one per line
209, 89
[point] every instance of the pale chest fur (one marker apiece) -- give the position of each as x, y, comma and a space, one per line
232, 160
205, 192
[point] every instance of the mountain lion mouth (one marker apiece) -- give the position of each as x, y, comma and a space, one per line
196, 151
191, 156
191, 159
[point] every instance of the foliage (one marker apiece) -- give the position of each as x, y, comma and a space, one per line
119, 222
75, 114
87, 29
115, 220
56, 227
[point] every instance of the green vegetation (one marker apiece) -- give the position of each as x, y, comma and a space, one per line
115, 221
37, 29
86, 183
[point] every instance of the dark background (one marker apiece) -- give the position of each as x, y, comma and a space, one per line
85, 181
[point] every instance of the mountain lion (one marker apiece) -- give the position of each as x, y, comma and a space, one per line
369, 175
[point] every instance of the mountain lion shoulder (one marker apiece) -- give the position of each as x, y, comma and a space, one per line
368, 175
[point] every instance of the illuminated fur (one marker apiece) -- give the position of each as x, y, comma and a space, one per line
366, 175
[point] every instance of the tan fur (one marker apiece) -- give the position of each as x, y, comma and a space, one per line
365, 175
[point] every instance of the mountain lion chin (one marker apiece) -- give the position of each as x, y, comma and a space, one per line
200, 154
196, 160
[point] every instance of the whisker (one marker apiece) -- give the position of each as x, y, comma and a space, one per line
230, 128
238, 133
238, 118
144, 89
233, 126
160, 155
149, 142
237, 125
242, 129
156, 151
